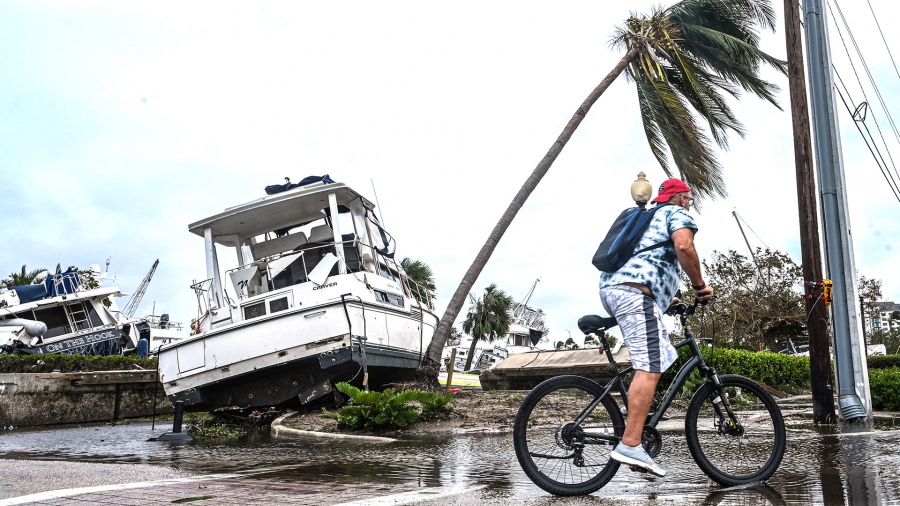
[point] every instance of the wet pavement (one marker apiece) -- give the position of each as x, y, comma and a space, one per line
117, 465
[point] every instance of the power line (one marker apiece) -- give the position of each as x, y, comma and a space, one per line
884, 172
859, 115
873, 147
882, 37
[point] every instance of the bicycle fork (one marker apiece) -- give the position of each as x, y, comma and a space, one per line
733, 426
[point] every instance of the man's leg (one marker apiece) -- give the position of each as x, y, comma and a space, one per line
640, 397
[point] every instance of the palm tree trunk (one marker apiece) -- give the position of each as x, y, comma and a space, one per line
426, 376
471, 354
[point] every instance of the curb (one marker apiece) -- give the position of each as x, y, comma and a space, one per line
279, 430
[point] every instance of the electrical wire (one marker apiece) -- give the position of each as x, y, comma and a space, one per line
882, 37
893, 179
884, 172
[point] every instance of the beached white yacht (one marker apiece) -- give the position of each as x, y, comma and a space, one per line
316, 298
527, 327
62, 315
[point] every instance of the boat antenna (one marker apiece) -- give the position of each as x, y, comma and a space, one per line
378, 204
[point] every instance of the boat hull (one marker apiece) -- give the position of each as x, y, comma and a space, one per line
296, 357
303, 382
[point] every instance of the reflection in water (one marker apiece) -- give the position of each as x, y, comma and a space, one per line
758, 494
820, 467
830, 469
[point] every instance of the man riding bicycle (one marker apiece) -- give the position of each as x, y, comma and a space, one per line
635, 294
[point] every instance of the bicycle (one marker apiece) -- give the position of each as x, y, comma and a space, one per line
567, 426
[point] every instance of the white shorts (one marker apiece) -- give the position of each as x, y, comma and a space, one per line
640, 320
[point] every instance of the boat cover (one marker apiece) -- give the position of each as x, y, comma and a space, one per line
61, 284
278, 188
30, 293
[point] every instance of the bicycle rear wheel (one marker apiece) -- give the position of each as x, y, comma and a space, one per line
735, 455
557, 455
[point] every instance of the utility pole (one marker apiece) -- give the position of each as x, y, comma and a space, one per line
851, 375
810, 253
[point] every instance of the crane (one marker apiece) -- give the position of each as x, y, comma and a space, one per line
135, 301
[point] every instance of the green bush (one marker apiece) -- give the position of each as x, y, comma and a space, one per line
389, 409
72, 363
773, 369
883, 362
884, 385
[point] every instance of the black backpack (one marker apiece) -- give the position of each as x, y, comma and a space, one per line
623, 237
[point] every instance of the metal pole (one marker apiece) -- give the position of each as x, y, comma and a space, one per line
179, 413
810, 251
849, 356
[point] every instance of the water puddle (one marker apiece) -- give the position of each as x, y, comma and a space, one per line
857, 466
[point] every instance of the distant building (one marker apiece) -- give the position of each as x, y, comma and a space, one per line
881, 322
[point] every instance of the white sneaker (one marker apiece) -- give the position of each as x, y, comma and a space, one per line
637, 457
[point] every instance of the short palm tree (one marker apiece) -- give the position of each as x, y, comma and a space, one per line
419, 272
25, 277
488, 320
683, 60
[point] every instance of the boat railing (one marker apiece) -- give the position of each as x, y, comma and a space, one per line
162, 322
288, 268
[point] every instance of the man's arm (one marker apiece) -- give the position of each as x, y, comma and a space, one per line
683, 238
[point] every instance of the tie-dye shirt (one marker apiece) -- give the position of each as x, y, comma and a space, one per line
657, 269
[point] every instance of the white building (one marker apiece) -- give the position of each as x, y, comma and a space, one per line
882, 322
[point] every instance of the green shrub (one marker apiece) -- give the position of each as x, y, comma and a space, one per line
884, 385
389, 409
773, 369
883, 362
43, 363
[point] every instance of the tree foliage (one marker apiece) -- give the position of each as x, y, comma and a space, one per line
691, 55
23, 277
755, 308
420, 273
488, 319
869, 292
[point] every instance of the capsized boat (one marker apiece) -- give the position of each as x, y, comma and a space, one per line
63, 315
316, 298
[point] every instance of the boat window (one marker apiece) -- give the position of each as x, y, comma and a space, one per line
389, 298
55, 319
96, 321
254, 310
519, 340
277, 305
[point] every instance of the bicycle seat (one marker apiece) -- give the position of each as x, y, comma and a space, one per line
592, 324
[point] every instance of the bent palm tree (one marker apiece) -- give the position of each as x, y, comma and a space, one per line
488, 320
681, 58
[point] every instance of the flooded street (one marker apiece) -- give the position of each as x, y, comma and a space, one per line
818, 468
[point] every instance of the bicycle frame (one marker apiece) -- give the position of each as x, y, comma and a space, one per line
695, 362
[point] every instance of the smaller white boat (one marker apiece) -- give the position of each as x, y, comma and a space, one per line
62, 315
163, 331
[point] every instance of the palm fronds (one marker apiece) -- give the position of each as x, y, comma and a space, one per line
692, 55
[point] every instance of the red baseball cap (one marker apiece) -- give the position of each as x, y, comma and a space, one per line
669, 188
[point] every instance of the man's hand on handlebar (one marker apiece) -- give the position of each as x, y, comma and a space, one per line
705, 293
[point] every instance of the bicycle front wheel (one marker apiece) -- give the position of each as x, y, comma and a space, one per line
559, 455
730, 454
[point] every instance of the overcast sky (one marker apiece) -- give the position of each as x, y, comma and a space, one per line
122, 122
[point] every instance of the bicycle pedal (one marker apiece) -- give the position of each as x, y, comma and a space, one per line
637, 469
